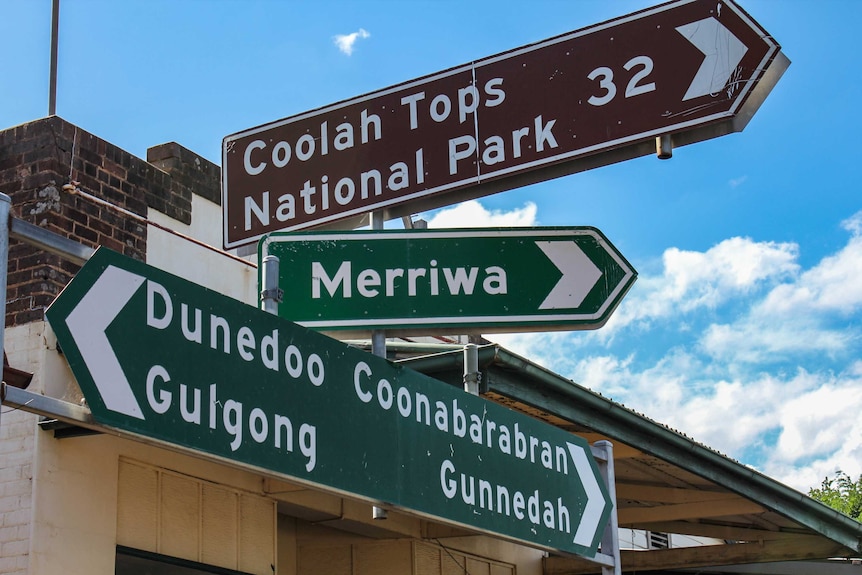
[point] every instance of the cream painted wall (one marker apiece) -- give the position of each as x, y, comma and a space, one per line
74, 481
75, 514
179, 515
196, 263
74, 510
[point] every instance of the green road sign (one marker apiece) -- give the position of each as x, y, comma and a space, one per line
423, 282
164, 359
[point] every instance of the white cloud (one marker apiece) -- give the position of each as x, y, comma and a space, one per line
821, 431
804, 316
853, 224
736, 182
345, 42
726, 415
810, 472
472, 214
696, 279
832, 285
692, 281
818, 420
773, 339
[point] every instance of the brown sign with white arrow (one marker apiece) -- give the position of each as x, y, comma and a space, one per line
694, 69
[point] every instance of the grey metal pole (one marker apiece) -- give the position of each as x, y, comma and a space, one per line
5, 209
270, 294
378, 348
611, 537
471, 368
49, 241
55, 37
378, 336
378, 342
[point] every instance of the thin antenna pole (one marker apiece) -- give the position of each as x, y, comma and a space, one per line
55, 33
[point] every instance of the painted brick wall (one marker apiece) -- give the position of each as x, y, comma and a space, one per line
25, 346
39, 158
17, 435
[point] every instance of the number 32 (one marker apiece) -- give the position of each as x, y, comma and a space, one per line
635, 87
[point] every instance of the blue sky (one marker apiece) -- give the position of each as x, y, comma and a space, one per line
743, 329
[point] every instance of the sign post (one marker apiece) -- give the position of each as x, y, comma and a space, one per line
421, 282
168, 361
690, 69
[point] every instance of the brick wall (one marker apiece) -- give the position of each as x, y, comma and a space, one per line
189, 172
17, 436
37, 159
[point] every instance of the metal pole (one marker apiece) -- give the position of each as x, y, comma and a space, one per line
664, 147
5, 209
49, 241
378, 336
55, 35
611, 537
270, 294
471, 368
378, 342
378, 348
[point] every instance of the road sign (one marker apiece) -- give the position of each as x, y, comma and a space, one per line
167, 360
419, 282
694, 69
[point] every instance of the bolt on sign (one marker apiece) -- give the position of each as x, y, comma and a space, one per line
421, 282
693, 69
167, 361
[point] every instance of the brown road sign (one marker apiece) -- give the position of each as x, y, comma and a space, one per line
693, 69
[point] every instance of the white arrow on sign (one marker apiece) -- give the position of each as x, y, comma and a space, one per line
722, 50
580, 274
87, 324
595, 498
